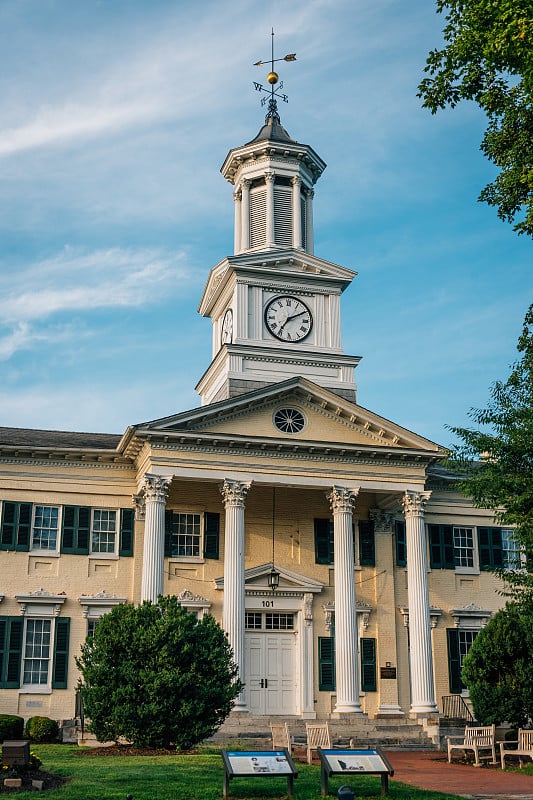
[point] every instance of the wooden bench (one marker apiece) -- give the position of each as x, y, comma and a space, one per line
524, 747
477, 739
318, 735
281, 738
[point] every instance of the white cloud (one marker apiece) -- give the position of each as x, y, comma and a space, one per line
79, 281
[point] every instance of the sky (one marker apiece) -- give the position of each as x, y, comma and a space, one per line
116, 116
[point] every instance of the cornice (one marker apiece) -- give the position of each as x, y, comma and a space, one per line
289, 449
81, 461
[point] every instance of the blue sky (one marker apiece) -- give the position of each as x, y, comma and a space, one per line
116, 117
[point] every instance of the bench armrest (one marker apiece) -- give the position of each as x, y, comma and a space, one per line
456, 739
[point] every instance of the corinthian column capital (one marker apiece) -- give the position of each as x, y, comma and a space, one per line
342, 499
383, 520
155, 488
234, 493
414, 503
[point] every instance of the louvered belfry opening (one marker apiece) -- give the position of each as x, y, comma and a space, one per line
284, 212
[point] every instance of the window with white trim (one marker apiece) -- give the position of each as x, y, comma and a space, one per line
103, 531
186, 535
37, 649
513, 552
463, 546
45, 527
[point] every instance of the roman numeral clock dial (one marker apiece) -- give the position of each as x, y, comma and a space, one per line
288, 318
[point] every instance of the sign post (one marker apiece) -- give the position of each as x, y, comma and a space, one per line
258, 764
353, 762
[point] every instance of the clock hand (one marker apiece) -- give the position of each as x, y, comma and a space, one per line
299, 314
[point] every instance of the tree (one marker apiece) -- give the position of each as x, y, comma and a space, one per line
157, 676
488, 58
496, 463
498, 669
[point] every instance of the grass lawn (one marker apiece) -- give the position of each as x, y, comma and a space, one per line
188, 777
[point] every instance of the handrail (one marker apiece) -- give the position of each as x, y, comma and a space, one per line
455, 707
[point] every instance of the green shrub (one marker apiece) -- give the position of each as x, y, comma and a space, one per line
11, 727
42, 729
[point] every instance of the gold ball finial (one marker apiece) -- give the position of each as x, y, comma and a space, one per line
272, 78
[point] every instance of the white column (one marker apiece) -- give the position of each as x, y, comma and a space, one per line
245, 215
269, 180
389, 705
310, 242
420, 651
237, 240
296, 212
155, 490
347, 669
234, 499
307, 693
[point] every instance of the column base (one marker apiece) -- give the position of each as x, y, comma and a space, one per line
423, 711
346, 708
389, 710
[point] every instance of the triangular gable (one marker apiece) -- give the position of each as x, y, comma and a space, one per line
329, 418
256, 579
290, 262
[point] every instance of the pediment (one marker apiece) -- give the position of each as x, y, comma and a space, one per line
330, 421
270, 267
256, 580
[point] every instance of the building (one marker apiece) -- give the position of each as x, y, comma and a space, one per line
349, 574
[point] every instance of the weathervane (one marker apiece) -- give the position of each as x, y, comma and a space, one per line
273, 79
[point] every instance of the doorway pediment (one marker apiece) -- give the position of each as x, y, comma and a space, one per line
290, 583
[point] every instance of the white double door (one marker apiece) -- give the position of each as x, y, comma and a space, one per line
271, 674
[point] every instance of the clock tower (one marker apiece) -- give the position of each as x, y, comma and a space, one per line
274, 305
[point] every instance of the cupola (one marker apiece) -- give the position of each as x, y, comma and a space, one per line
273, 178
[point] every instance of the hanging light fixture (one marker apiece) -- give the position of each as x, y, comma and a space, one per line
273, 577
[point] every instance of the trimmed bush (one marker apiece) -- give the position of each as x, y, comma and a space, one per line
42, 729
11, 727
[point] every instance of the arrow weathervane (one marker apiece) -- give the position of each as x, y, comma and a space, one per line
273, 79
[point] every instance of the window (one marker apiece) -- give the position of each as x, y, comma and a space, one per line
364, 542
91, 626
34, 652
192, 535
37, 652
269, 621
463, 547
459, 643
45, 527
512, 550
103, 531
451, 547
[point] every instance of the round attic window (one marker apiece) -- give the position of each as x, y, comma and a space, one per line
289, 420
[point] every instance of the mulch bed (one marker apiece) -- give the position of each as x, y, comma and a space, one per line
129, 750
49, 782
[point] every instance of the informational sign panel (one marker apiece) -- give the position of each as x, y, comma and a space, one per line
258, 764
354, 762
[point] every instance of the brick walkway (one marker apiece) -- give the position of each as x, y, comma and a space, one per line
430, 770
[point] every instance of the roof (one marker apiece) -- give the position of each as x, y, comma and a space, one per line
273, 130
29, 437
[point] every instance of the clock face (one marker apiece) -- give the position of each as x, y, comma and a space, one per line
288, 318
227, 327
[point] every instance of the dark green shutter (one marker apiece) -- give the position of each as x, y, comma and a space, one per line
490, 547
454, 661
61, 641
324, 541
401, 544
211, 535
75, 530
127, 520
447, 546
10, 651
368, 665
326, 664
367, 545
169, 519
441, 555
16, 526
